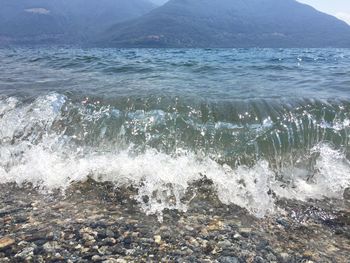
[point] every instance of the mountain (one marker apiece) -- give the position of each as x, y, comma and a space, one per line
230, 23
64, 21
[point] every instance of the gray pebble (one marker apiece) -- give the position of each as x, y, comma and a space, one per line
346, 194
51, 247
26, 252
228, 260
224, 244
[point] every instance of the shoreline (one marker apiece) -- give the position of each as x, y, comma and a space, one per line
96, 223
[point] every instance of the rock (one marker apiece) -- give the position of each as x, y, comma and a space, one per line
7, 219
146, 240
285, 256
96, 258
26, 252
51, 236
87, 231
98, 224
346, 194
23, 244
215, 225
189, 228
39, 236
110, 233
237, 236
87, 237
20, 219
157, 239
110, 260
89, 244
228, 260
282, 222
258, 259
245, 232
117, 249
58, 256
109, 241
51, 247
308, 254
85, 250
78, 247
204, 243
193, 242
224, 244
204, 232
270, 257
127, 241
104, 250
210, 246
113, 260
104, 233
6, 242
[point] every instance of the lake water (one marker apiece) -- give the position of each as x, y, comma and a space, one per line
260, 124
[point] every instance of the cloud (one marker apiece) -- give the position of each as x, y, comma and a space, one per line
344, 16
40, 11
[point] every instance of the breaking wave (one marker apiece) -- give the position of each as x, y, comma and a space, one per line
252, 151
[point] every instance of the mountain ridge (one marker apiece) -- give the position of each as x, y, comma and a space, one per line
227, 23
64, 21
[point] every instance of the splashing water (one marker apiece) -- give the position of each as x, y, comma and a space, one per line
53, 142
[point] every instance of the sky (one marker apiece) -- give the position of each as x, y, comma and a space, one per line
159, 2
338, 8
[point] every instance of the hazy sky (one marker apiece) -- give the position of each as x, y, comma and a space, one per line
338, 8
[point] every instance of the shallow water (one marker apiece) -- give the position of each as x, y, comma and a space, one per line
259, 124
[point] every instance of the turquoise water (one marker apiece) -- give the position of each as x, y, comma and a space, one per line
253, 121
214, 74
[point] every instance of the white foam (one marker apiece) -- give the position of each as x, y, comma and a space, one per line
22, 120
8, 104
331, 176
163, 178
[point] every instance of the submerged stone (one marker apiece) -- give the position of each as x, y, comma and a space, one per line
228, 260
346, 194
6, 242
157, 239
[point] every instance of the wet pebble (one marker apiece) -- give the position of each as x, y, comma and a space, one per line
127, 241
51, 247
245, 232
6, 242
228, 260
122, 235
109, 241
26, 252
104, 250
346, 194
157, 239
96, 258
115, 260
282, 222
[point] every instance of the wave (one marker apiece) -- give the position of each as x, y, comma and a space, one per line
252, 151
